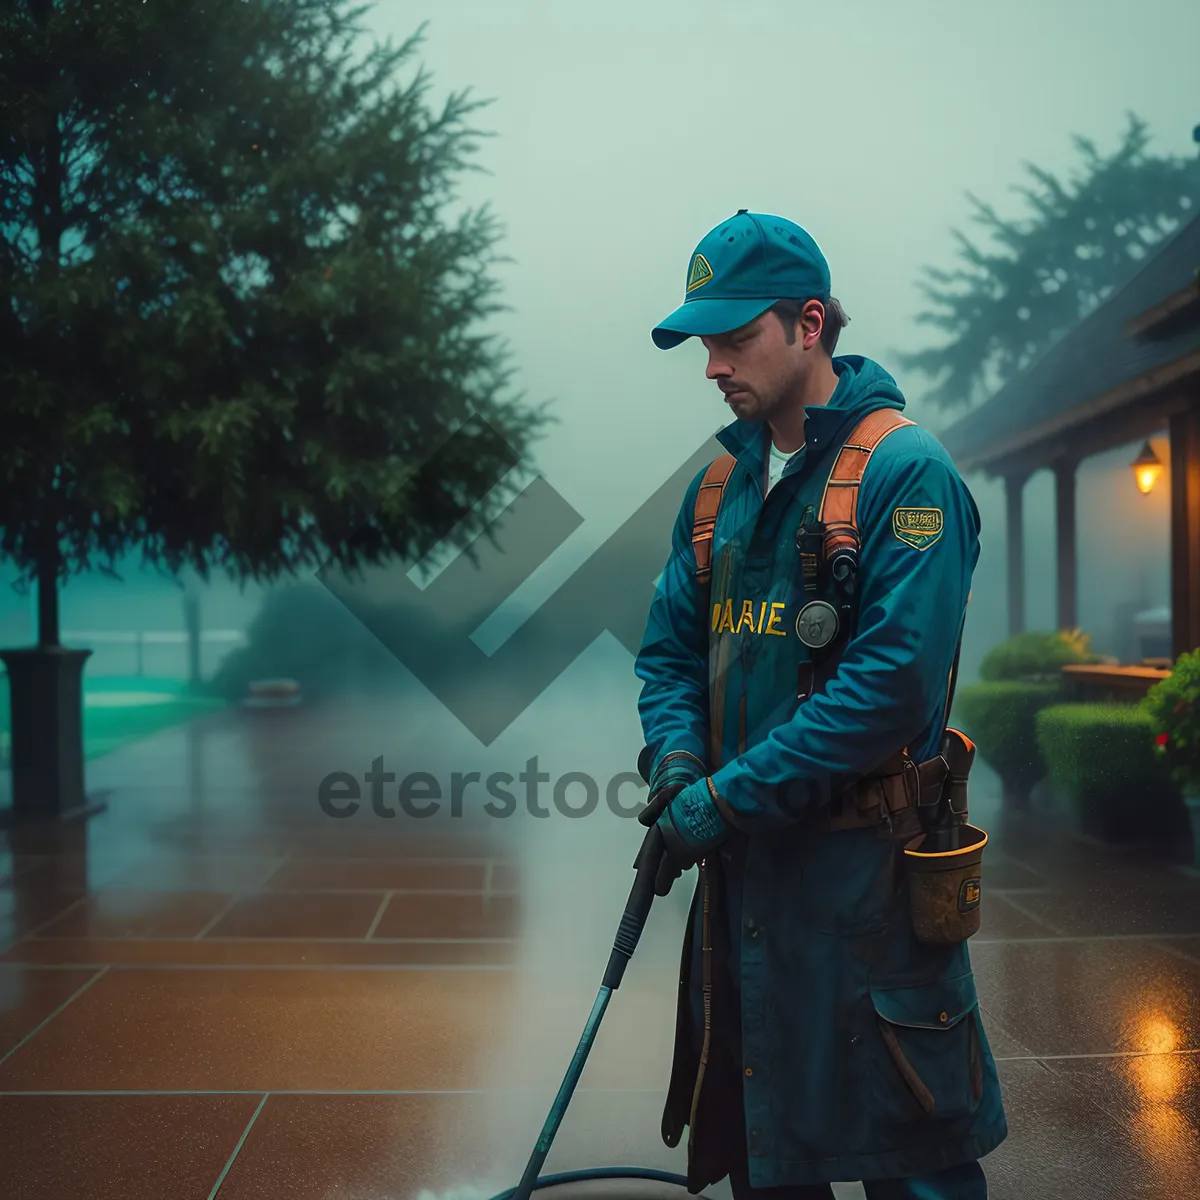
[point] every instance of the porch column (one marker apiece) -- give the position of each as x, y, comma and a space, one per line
1014, 491
1068, 574
1185, 531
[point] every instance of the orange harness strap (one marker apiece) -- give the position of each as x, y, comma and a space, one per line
708, 501
839, 504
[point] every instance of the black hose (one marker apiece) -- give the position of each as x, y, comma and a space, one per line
637, 908
587, 1173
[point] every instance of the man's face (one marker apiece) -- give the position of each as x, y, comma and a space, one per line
758, 369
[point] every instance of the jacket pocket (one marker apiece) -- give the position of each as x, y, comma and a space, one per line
926, 1066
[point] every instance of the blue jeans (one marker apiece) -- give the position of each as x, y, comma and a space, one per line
965, 1182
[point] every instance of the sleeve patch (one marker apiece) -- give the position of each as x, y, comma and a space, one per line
918, 527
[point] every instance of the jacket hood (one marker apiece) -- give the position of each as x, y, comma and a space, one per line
863, 386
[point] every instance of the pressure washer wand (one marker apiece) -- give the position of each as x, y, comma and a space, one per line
633, 921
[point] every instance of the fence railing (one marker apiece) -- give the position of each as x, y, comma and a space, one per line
139, 639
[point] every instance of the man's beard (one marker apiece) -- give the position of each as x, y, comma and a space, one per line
778, 401
761, 408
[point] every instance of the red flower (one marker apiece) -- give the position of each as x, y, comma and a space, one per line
1162, 739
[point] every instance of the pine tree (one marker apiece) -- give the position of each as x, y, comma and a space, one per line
240, 321
1006, 303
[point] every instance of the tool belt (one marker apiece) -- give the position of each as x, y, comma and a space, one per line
894, 798
903, 801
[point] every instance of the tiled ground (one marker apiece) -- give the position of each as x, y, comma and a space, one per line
212, 989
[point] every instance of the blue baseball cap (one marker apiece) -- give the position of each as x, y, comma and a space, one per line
739, 270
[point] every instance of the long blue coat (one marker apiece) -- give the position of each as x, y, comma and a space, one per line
811, 930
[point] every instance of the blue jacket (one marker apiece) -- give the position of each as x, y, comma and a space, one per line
816, 939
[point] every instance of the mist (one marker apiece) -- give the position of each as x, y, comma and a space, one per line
620, 134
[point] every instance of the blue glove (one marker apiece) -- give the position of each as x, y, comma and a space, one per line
691, 826
674, 772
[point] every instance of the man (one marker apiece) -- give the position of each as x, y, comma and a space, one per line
797, 665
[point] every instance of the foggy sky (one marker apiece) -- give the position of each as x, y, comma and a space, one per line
624, 134
624, 131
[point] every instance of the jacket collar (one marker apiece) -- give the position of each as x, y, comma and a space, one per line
824, 424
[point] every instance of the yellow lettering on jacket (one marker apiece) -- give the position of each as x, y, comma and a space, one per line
722, 617
726, 617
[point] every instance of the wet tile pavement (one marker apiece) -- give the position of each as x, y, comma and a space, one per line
213, 989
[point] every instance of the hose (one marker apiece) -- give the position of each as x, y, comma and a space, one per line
589, 1173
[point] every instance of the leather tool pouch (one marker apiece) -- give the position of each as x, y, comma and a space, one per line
945, 885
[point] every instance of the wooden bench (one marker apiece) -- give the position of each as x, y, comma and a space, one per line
1104, 682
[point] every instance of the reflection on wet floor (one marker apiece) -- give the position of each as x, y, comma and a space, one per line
215, 981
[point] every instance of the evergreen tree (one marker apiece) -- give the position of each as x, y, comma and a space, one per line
1006, 303
240, 319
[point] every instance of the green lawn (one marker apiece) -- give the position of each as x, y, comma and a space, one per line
119, 709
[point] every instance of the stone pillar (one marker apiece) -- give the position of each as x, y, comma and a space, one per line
1185, 531
1014, 489
1068, 569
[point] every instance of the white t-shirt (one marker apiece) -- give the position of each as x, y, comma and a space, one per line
776, 462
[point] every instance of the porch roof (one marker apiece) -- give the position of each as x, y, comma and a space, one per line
1110, 380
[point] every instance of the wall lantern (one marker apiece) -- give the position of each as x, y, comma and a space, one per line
1147, 467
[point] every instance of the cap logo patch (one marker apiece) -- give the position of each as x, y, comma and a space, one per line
918, 527
700, 273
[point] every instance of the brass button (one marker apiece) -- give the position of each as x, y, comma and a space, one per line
749, 1070
944, 1017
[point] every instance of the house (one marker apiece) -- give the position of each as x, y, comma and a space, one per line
1129, 370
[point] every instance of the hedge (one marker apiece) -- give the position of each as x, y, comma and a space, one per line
1102, 759
302, 632
1000, 718
1037, 656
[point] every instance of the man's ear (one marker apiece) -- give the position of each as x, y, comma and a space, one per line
812, 322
